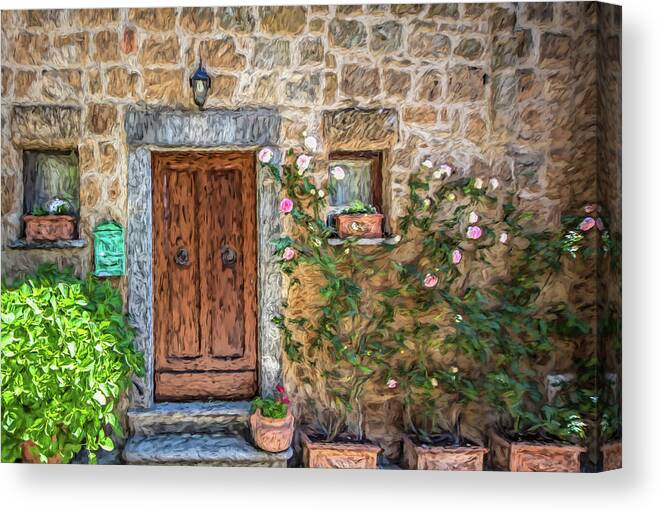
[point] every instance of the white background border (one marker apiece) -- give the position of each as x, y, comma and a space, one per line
637, 487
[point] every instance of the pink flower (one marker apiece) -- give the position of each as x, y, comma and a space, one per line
391, 384
303, 162
280, 388
430, 281
590, 208
456, 256
285, 400
265, 155
288, 254
600, 224
286, 205
503, 237
474, 232
586, 224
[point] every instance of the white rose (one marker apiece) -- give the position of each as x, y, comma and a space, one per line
311, 143
427, 163
321, 193
478, 183
503, 237
338, 173
473, 218
493, 182
265, 155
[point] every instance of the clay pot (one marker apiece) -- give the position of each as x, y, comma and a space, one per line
534, 456
30, 454
338, 455
363, 225
461, 458
49, 227
272, 434
611, 456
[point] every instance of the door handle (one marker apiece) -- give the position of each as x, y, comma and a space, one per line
228, 255
181, 257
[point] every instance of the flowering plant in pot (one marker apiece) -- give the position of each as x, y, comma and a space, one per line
54, 222
359, 220
338, 341
271, 422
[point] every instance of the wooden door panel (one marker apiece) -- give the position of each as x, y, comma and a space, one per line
179, 196
205, 327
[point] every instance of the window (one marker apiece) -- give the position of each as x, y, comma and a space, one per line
354, 175
48, 175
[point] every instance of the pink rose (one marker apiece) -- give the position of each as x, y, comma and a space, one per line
474, 232
600, 224
430, 281
288, 254
286, 205
265, 155
590, 208
391, 384
456, 256
586, 224
303, 162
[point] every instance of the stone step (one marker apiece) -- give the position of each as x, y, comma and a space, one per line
230, 418
200, 450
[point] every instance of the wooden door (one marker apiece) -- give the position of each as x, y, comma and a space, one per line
205, 274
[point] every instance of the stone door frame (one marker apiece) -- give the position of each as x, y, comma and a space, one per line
244, 129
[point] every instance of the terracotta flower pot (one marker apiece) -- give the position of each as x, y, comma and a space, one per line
272, 434
363, 225
612, 456
30, 454
338, 455
49, 227
461, 458
517, 456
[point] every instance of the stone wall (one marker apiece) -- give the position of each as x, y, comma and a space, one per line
506, 90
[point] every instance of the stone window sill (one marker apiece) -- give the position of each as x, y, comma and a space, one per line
47, 244
389, 240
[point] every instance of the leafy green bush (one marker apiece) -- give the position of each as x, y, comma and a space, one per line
67, 355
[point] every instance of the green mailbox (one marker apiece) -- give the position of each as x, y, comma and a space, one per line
109, 249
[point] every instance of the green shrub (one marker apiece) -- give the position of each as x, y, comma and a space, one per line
67, 355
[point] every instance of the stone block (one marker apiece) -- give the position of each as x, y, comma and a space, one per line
129, 40
24, 84
469, 48
330, 88
283, 20
70, 49
355, 128
197, 19
223, 87
423, 115
160, 49
221, 53
236, 19
266, 89
45, 126
101, 118
154, 20
30, 48
61, 85
271, 53
407, 9
44, 19
317, 26
94, 84
554, 47
106, 46
348, 10
164, 86
94, 18
108, 161
444, 10
539, 12
347, 33
502, 20
7, 76
424, 41
359, 80
430, 86
465, 83
310, 51
303, 87
386, 37
396, 82
475, 129
121, 82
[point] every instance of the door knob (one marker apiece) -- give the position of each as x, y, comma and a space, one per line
228, 255
182, 256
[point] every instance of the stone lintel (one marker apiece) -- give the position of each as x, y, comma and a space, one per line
360, 129
46, 126
208, 128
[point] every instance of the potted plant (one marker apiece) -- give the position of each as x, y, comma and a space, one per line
67, 357
344, 330
51, 223
271, 422
610, 425
359, 220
